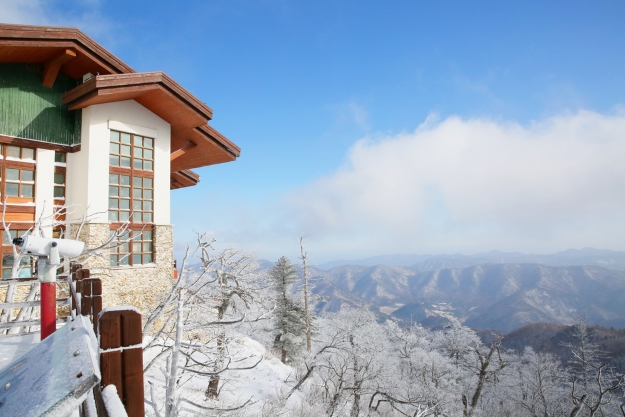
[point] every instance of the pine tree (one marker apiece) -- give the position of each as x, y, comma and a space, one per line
289, 324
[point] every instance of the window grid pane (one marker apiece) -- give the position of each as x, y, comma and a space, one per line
133, 248
131, 197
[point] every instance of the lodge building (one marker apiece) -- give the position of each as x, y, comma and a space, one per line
80, 129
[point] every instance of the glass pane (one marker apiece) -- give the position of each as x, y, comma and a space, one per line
124, 216
147, 235
126, 150
147, 143
113, 216
147, 247
24, 273
147, 154
59, 157
124, 204
28, 175
125, 138
7, 260
113, 191
114, 148
136, 205
136, 217
125, 192
27, 191
125, 248
123, 261
12, 190
113, 179
147, 182
136, 260
136, 193
59, 192
138, 164
147, 205
114, 136
125, 179
58, 178
113, 203
125, 162
147, 258
13, 152
138, 153
114, 160
138, 141
147, 165
136, 246
28, 153
136, 181
114, 259
147, 194
147, 217
13, 174
6, 273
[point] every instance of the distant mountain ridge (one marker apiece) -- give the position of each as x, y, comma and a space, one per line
587, 256
502, 297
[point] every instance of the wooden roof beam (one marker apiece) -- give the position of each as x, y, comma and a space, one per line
186, 148
52, 67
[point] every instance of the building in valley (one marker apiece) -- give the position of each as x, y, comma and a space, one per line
81, 129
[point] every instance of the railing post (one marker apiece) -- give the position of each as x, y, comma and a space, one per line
121, 356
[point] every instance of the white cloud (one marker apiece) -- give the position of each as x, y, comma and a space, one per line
84, 14
472, 185
22, 12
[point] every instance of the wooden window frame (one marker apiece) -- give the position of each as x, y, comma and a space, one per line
133, 173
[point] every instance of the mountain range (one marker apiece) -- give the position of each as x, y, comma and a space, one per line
501, 297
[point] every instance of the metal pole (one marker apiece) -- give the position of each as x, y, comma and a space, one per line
47, 276
48, 309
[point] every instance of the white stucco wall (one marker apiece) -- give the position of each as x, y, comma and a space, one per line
88, 170
44, 187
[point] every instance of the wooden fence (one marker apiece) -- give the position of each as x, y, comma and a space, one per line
121, 356
119, 332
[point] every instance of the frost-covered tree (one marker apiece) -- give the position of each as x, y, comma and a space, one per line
289, 318
194, 327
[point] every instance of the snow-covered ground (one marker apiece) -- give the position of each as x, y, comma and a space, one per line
258, 385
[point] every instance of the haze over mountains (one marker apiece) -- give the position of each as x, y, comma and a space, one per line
494, 290
587, 256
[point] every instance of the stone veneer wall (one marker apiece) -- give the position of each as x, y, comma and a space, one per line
141, 286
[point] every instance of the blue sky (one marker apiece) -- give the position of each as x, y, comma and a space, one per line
388, 127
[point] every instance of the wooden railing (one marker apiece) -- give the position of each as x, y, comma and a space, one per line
118, 331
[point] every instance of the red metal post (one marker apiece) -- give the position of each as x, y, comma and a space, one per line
48, 309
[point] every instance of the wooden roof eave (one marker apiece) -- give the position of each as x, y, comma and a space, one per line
209, 147
115, 85
183, 179
58, 37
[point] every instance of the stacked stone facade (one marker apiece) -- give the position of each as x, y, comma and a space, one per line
140, 286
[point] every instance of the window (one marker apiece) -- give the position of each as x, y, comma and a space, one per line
131, 196
131, 151
59, 185
17, 174
60, 157
26, 262
132, 248
19, 182
17, 152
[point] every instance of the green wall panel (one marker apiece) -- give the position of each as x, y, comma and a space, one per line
31, 111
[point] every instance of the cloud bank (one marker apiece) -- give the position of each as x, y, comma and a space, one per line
471, 185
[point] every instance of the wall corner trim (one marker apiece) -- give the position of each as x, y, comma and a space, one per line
130, 128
